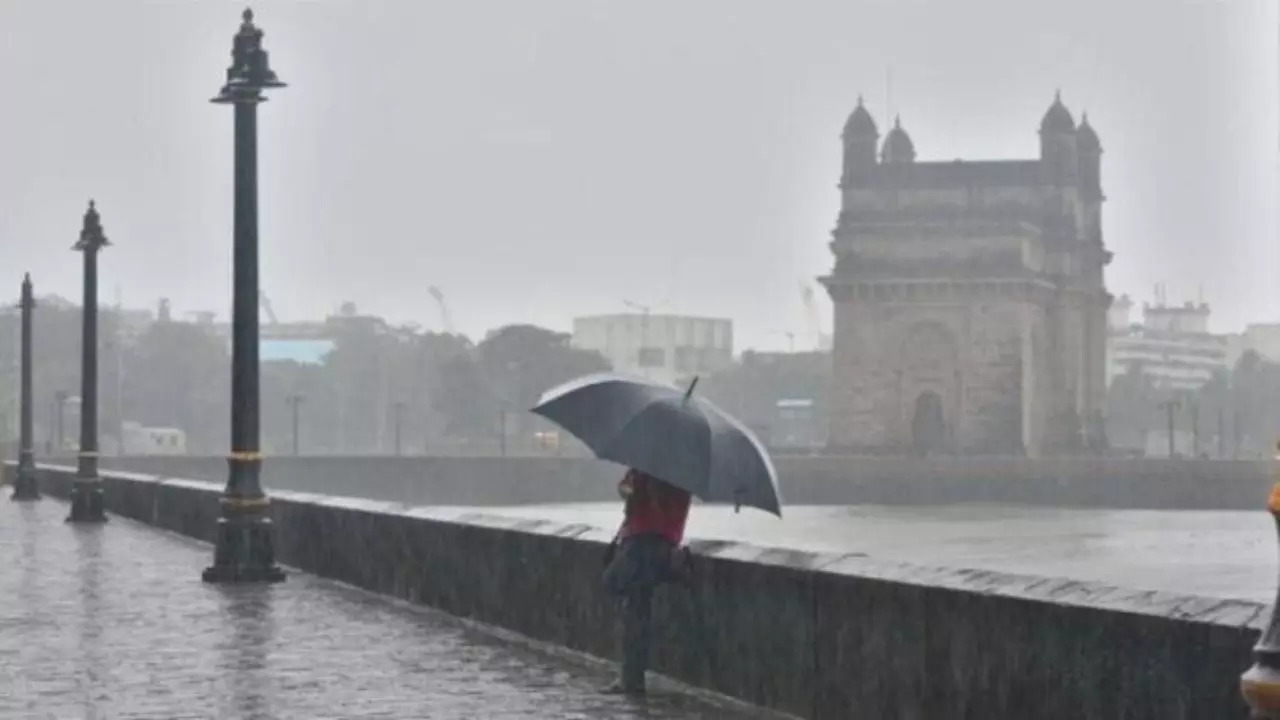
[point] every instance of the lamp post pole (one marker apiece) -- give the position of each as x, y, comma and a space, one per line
1169, 407
502, 429
24, 483
399, 408
295, 401
244, 550
86, 490
60, 401
1195, 429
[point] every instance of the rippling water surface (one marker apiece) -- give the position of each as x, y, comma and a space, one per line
1210, 553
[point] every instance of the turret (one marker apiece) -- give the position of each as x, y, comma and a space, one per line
1058, 152
860, 138
1089, 151
898, 148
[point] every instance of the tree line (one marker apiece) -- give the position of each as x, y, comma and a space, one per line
1235, 415
434, 392
383, 388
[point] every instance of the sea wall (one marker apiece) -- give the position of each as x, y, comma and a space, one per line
817, 635
823, 480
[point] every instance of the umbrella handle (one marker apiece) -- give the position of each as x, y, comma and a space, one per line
737, 500
689, 393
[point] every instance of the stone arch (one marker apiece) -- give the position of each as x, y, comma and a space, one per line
928, 424
928, 365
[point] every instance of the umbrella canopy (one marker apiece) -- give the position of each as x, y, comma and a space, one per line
671, 434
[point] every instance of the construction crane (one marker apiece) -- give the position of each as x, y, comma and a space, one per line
642, 309
791, 339
814, 316
265, 303
445, 318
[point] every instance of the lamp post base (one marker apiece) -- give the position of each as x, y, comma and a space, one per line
1261, 689
87, 501
244, 552
25, 486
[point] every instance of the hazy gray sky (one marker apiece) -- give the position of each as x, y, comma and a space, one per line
539, 160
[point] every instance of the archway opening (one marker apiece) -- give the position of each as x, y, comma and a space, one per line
928, 426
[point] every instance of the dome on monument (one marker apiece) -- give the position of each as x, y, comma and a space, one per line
898, 147
860, 123
1086, 137
1058, 118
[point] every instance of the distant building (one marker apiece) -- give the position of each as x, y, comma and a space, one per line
139, 440
797, 425
1120, 314
663, 348
132, 323
349, 318
304, 342
306, 351
1262, 338
783, 397
1172, 345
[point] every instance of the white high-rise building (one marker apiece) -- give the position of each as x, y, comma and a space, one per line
663, 348
1172, 345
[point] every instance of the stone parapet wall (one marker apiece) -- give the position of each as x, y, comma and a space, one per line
821, 480
817, 635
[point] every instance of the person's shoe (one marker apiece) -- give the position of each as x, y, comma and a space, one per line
618, 688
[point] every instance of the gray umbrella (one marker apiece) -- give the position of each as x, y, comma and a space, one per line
670, 434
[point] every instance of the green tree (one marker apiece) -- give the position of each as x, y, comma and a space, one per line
282, 379
179, 375
505, 375
751, 388
421, 379
1132, 409
56, 369
1255, 390
357, 372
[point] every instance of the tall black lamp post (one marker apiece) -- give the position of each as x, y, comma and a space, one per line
399, 408
24, 482
86, 490
244, 550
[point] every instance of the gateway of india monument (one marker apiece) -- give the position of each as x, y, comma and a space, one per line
970, 305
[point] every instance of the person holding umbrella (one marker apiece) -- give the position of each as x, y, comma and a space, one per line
654, 516
676, 446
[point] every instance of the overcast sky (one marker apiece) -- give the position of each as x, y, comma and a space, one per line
541, 160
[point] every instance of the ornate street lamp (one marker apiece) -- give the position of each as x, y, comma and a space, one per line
244, 551
24, 483
86, 490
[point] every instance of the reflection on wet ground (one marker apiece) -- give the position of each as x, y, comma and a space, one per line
113, 622
1209, 553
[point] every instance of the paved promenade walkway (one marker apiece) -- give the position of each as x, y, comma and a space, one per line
112, 622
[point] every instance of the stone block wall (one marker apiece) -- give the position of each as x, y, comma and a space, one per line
412, 480
817, 635
1153, 484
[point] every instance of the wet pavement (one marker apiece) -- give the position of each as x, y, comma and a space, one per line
113, 622
1209, 553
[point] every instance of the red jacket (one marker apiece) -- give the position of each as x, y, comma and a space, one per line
655, 507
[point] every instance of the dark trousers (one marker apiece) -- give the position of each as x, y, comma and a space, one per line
641, 563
